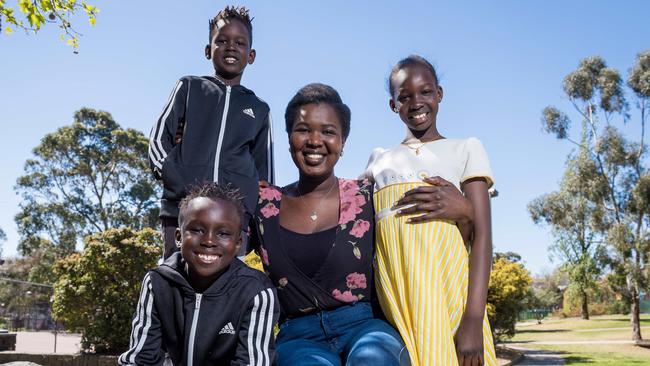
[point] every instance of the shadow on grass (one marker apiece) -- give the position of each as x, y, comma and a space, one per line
621, 319
585, 359
578, 359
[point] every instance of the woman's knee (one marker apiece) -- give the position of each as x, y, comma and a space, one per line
378, 344
305, 353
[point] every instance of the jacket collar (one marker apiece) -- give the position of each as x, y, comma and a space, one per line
218, 80
174, 270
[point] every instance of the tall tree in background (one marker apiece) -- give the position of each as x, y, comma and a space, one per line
3, 238
85, 178
37, 14
576, 218
597, 94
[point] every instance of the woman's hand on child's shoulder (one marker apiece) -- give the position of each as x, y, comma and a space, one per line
469, 342
438, 200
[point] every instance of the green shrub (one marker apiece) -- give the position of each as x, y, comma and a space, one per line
509, 287
97, 290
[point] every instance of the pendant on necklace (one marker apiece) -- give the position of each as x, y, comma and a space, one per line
313, 216
417, 151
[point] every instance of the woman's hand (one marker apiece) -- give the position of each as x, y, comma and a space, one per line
439, 200
469, 342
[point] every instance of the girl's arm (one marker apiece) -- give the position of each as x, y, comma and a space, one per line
469, 338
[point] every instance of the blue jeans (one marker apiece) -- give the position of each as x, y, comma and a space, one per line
349, 335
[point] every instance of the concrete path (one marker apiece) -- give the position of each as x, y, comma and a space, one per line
606, 329
43, 342
552, 343
534, 357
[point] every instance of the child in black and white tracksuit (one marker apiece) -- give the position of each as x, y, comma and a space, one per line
213, 129
203, 306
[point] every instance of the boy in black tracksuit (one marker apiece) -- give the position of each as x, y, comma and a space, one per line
203, 306
213, 129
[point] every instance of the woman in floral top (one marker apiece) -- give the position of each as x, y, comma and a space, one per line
316, 242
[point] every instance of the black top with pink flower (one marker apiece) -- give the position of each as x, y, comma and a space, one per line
345, 276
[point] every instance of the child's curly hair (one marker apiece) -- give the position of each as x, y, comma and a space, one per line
233, 12
213, 191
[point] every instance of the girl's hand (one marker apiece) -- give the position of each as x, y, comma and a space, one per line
439, 200
469, 342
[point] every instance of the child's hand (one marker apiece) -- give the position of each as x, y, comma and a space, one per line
439, 200
178, 137
469, 342
262, 184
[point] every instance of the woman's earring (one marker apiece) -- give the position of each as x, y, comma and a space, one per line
178, 243
341, 154
395, 109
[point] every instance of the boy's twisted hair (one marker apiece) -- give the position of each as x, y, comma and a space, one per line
214, 191
233, 12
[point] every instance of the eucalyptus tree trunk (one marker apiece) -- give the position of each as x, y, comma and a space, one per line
585, 305
634, 316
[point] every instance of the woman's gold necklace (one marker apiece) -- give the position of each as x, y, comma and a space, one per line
314, 214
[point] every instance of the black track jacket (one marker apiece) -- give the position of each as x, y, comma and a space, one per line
231, 323
227, 138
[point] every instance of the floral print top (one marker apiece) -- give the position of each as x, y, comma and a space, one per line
345, 276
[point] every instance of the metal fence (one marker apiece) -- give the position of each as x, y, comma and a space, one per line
536, 314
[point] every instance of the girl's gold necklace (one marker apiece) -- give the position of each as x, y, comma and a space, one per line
410, 143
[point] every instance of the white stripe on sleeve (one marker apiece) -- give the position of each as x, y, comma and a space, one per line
268, 329
251, 330
269, 152
156, 150
141, 322
260, 329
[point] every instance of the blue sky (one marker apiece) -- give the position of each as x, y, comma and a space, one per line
500, 63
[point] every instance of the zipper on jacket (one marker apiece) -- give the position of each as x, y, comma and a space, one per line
222, 131
195, 319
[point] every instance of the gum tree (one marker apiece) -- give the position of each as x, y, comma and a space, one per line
621, 185
3, 238
85, 178
575, 218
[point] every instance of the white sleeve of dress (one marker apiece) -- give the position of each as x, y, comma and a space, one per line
477, 164
367, 173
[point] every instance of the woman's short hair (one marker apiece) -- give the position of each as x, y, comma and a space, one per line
317, 93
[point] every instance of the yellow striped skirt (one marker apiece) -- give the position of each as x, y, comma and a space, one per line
421, 278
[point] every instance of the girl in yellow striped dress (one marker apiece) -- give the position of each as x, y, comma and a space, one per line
431, 287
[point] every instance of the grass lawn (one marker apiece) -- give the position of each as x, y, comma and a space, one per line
609, 354
599, 328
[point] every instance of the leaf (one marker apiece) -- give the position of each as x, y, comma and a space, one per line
357, 252
8, 30
24, 6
